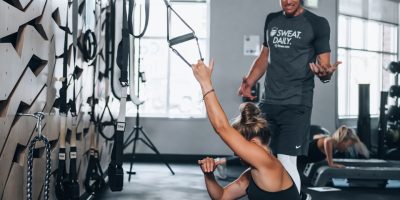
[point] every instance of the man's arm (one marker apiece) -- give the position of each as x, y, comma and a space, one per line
322, 68
258, 67
257, 70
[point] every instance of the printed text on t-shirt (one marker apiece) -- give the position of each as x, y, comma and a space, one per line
283, 38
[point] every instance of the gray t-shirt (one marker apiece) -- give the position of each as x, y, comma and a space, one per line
293, 43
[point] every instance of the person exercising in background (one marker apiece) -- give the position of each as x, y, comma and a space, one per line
266, 178
296, 47
323, 146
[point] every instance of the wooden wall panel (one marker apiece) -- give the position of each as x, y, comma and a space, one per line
20, 134
31, 43
28, 84
16, 184
12, 18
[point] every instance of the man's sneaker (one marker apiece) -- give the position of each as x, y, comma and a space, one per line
305, 196
221, 171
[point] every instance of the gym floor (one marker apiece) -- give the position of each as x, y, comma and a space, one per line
155, 182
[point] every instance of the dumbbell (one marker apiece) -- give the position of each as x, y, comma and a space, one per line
394, 67
394, 91
394, 114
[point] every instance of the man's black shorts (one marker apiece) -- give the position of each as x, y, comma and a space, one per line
290, 128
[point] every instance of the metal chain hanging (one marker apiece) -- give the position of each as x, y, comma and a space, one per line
30, 166
39, 116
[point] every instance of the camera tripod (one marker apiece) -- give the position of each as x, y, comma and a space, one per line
138, 129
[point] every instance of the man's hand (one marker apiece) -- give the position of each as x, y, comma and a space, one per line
324, 72
208, 165
245, 90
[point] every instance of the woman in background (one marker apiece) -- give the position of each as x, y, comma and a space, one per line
323, 146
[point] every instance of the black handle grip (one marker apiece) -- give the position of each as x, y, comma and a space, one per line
181, 39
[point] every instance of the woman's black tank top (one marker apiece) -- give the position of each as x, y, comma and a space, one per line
314, 154
256, 193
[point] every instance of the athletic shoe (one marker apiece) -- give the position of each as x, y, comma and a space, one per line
305, 196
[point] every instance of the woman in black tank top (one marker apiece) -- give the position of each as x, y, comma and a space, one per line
248, 137
323, 146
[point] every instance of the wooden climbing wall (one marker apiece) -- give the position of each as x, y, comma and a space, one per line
31, 65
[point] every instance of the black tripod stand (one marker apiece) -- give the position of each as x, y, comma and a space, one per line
138, 129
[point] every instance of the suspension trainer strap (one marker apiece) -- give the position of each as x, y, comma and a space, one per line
73, 187
111, 39
116, 173
132, 96
180, 39
108, 59
93, 181
75, 8
131, 16
98, 174
109, 44
61, 172
90, 180
108, 51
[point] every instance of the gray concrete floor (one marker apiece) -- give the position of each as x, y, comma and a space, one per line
155, 182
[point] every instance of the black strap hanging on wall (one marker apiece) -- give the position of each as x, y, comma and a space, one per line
87, 42
180, 39
101, 125
130, 29
72, 184
131, 21
89, 45
115, 171
132, 4
108, 63
61, 171
94, 176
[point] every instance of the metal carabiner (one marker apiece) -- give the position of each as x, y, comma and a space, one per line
39, 118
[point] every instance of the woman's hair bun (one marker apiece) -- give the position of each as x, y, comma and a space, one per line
249, 113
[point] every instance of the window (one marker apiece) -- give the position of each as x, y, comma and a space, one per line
171, 90
366, 45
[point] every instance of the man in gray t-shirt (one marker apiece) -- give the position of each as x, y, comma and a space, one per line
296, 47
